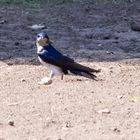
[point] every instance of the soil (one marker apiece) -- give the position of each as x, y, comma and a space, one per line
76, 108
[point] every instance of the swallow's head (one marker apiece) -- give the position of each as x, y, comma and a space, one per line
42, 39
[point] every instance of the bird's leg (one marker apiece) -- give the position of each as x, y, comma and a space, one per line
62, 77
47, 80
51, 75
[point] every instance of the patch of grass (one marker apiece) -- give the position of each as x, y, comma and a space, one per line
22, 2
93, 1
105, 1
35, 3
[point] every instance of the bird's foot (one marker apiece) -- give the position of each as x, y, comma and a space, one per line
45, 81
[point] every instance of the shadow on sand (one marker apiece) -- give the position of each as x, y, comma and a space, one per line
89, 32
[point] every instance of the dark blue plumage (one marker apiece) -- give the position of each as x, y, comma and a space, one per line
48, 51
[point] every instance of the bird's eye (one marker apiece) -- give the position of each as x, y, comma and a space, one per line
38, 36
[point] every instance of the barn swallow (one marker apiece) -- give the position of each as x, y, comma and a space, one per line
58, 63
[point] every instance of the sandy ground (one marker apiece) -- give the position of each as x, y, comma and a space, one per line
75, 108
72, 108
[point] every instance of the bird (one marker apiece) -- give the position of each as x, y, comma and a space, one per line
57, 63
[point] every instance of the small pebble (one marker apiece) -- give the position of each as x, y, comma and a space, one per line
22, 80
116, 130
16, 43
120, 96
87, 9
109, 52
106, 37
68, 124
104, 111
58, 94
37, 26
99, 45
79, 79
3, 21
11, 123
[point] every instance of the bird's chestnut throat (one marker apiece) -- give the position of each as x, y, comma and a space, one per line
42, 42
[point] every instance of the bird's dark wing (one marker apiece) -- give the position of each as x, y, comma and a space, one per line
64, 62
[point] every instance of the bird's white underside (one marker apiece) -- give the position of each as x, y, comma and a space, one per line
52, 68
